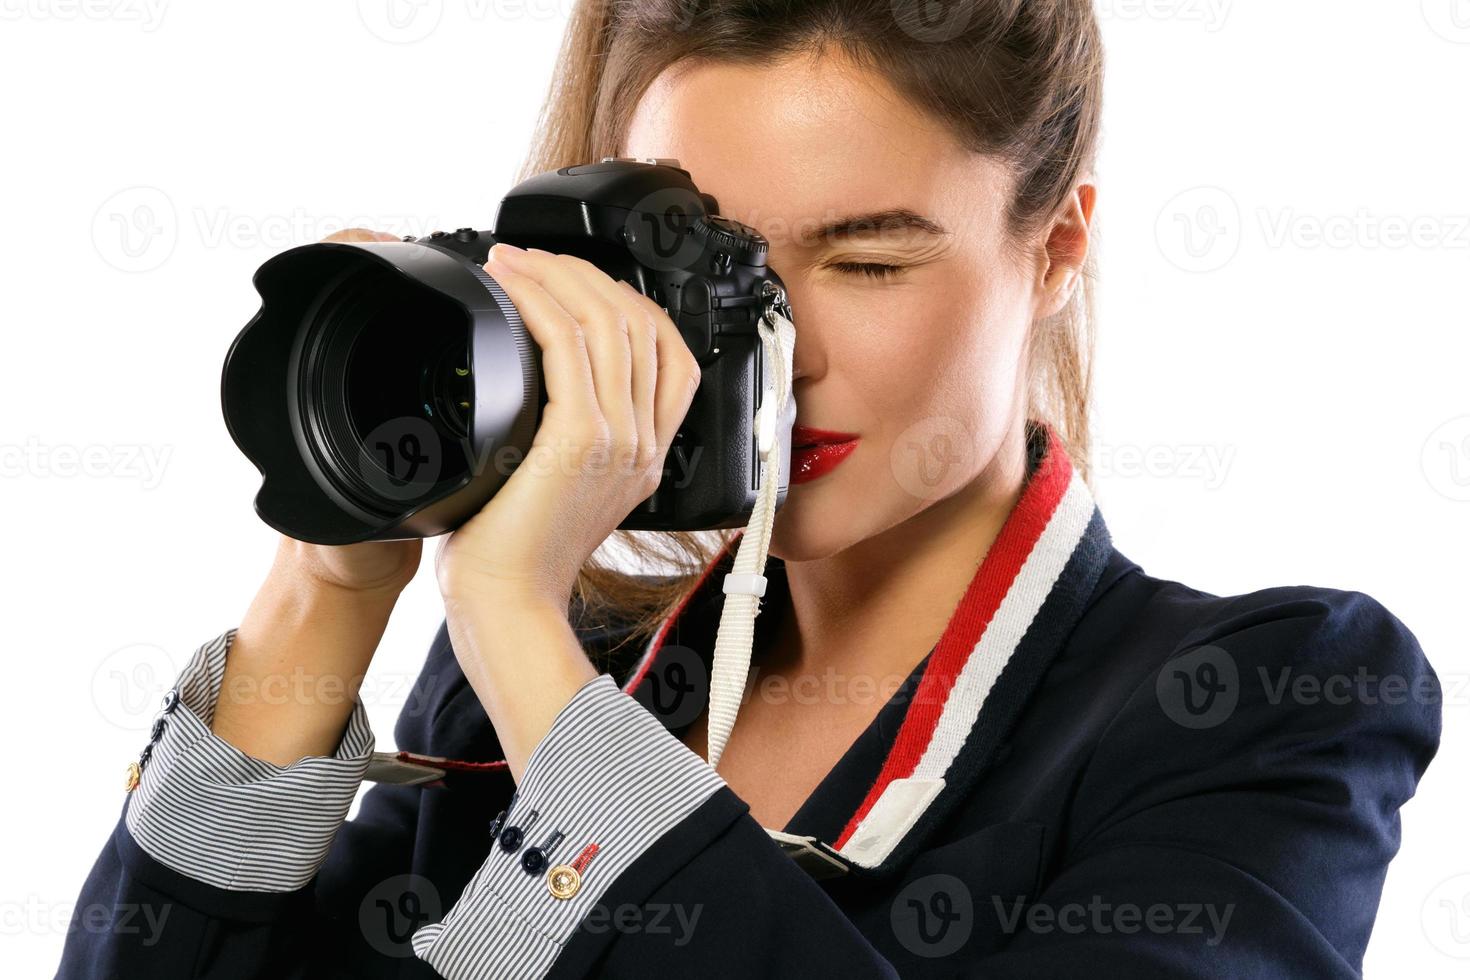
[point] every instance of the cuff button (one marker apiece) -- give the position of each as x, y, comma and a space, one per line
563, 881
511, 838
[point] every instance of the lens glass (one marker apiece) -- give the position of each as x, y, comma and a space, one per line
390, 388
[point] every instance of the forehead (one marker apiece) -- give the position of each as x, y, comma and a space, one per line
806, 139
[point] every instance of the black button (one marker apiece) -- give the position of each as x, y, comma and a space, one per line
534, 860
496, 824
158, 727
465, 234
511, 838
170, 701
145, 755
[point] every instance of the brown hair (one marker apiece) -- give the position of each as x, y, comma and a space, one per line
1017, 79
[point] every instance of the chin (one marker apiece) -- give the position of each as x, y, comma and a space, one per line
809, 526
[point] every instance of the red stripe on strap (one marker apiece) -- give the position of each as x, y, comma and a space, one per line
987, 589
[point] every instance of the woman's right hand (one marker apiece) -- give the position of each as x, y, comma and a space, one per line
303, 647
371, 567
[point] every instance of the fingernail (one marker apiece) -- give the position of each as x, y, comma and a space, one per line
505, 252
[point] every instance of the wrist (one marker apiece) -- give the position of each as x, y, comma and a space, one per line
304, 577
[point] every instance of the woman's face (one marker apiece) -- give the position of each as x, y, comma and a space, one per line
910, 329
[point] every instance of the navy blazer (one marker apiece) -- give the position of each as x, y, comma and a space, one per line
1162, 782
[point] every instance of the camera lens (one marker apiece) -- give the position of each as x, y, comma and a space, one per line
387, 390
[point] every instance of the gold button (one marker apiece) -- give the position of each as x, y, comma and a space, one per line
564, 881
135, 773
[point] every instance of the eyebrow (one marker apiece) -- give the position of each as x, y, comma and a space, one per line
892, 219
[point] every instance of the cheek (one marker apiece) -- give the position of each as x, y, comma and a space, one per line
938, 370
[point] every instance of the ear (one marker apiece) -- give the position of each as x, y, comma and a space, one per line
1067, 242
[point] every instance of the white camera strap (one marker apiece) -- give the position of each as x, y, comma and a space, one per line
745, 584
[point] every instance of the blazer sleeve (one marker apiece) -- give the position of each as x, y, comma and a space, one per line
210, 867
1244, 833
729, 901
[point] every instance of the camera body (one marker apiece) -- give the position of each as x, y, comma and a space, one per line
386, 390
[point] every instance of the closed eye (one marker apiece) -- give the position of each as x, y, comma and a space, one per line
874, 270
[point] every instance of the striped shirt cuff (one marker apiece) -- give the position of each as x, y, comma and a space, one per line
607, 773
219, 816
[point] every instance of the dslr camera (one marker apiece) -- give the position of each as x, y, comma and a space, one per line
387, 390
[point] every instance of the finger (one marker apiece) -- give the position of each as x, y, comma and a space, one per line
643, 346
360, 235
678, 371
604, 326
565, 368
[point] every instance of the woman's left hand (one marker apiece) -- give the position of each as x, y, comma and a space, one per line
619, 379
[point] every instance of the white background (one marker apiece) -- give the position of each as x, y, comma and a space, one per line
1282, 374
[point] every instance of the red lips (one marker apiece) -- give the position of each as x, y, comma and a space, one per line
806, 435
817, 452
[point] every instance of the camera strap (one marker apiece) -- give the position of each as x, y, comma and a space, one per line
745, 584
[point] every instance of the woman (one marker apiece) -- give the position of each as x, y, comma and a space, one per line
977, 741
